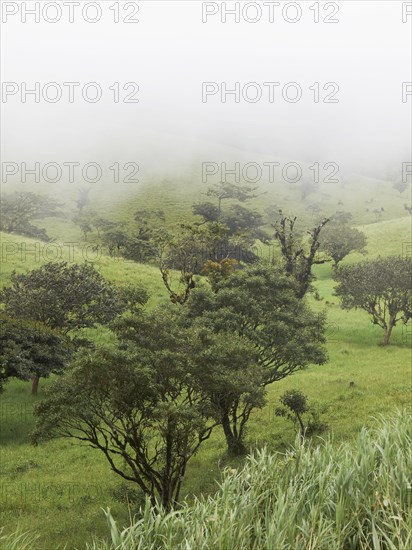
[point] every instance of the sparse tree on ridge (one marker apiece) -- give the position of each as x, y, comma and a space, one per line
400, 186
381, 287
20, 209
339, 240
298, 256
224, 191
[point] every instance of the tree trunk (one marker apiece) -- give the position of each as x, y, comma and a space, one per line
387, 334
302, 427
235, 445
34, 384
166, 499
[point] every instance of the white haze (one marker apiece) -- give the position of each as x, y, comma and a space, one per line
170, 52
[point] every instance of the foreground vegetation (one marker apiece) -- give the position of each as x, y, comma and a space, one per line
58, 490
352, 496
347, 496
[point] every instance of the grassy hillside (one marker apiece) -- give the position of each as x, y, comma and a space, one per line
175, 194
59, 489
22, 254
389, 237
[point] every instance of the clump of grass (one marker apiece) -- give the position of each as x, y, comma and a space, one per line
311, 497
18, 540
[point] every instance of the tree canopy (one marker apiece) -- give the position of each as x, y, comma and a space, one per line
29, 350
148, 417
298, 256
339, 239
20, 209
260, 303
63, 296
381, 287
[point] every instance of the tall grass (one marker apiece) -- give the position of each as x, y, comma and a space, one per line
18, 540
312, 497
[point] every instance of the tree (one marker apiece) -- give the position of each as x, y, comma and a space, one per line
243, 221
238, 219
137, 244
29, 350
101, 224
400, 186
141, 244
20, 209
381, 287
116, 239
378, 213
273, 213
243, 224
207, 210
339, 240
224, 191
230, 374
259, 303
133, 297
341, 217
186, 250
298, 263
223, 365
294, 407
145, 218
216, 271
83, 199
84, 223
148, 417
63, 297
306, 189
315, 209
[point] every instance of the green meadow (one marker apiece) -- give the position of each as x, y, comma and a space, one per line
58, 490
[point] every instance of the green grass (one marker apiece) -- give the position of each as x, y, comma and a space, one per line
22, 254
19, 540
319, 497
355, 193
58, 489
389, 237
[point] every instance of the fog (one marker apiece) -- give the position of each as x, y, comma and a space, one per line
170, 53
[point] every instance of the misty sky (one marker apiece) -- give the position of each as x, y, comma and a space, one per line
170, 52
